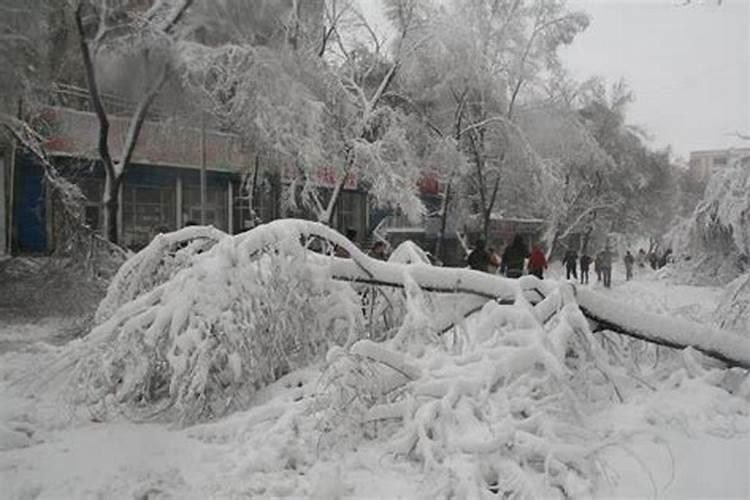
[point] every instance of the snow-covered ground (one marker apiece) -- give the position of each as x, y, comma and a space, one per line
689, 441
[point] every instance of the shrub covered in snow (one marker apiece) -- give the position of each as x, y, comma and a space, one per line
224, 323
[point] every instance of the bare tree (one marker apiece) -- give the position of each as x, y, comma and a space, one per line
100, 25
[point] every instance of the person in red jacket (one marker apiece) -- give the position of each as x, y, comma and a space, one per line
537, 262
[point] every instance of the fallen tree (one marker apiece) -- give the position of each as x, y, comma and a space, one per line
234, 313
678, 333
496, 401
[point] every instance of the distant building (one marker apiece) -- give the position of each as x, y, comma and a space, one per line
704, 163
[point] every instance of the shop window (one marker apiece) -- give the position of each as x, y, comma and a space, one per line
216, 205
147, 211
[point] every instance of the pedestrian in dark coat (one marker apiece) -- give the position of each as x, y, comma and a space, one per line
512, 261
479, 258
585, 262
629, 261
570, 261
537, 262
598, 266
606, 267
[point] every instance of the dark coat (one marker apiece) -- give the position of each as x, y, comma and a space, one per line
479, 259
585, 262
513, 258
571, 258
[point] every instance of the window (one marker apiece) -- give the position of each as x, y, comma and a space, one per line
720, 161
216, 205
147, 211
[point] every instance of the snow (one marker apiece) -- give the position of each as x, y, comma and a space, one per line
688, 438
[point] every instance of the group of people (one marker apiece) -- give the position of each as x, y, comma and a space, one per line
511, 263
516, 258
602, 266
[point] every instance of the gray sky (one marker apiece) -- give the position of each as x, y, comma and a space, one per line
687, 65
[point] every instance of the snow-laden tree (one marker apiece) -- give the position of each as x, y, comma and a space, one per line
713, 244
577, 195
139, 38
644, 182
318, 108
474, 64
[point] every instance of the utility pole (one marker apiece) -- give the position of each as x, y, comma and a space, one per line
201, 37
203, 169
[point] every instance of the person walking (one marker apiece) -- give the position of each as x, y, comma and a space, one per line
585, 262
598, 266
537, 262
570, 261
606, 266
629, 261
511, 263
641, 258
479, 258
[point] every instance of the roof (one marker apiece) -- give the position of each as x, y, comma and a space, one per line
716, 152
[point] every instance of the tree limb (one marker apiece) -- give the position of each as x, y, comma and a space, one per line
96, 101
136, 122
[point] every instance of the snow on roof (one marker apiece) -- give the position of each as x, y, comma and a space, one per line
415, 229
530, 220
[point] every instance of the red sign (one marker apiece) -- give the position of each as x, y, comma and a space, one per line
323, 177
429, 184
162, 143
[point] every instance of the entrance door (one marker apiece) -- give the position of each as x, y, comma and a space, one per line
31, 213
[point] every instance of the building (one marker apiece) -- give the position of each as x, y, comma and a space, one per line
5, 161
161, 190
704, 163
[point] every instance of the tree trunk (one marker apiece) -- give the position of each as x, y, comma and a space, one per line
486, 215
677, 333
110, 206
443, 222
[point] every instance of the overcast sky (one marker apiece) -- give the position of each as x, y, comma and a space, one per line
688, 66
